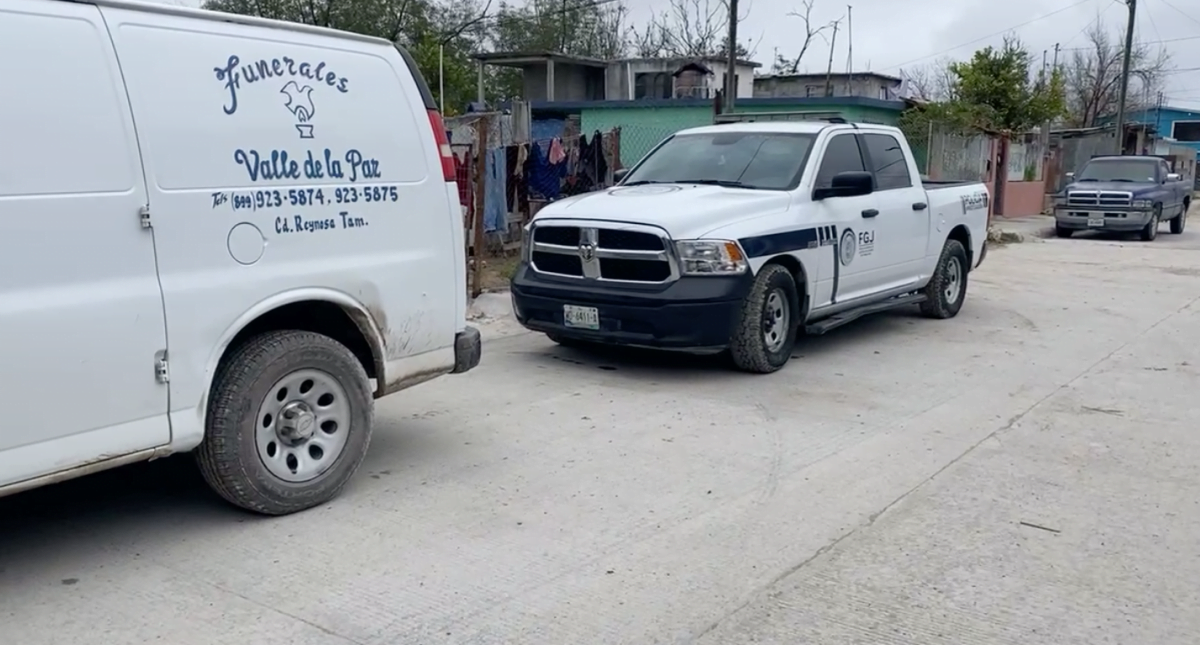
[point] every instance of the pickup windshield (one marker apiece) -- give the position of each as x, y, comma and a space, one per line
1134, 170
756, 160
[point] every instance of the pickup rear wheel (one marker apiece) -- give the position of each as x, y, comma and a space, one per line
1180, 220
947, 289
289, 420
765, 331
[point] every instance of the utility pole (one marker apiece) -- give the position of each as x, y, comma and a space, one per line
829, 70
1054, 66
850, 50
1120, 138
731, 63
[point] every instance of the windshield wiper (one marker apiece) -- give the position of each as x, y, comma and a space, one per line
715, 182
641, 182
1129, 180
1088, 179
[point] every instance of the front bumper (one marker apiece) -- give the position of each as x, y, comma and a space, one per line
1079, 220
468, 349
695, 313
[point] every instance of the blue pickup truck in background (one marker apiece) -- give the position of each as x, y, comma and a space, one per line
1123, 194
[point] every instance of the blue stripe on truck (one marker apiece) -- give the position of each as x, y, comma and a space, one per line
787, 241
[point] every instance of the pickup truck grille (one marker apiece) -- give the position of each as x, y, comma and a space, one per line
596, 253
1099, 198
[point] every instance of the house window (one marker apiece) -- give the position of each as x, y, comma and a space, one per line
652, 85
814, 90
883, 92
1186, 131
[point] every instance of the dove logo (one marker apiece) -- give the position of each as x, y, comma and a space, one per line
299, 102
303, 78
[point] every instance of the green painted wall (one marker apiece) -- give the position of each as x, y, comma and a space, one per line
643, 127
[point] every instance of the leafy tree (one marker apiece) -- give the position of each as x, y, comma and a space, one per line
997, 90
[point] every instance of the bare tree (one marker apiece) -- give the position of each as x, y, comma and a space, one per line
930, 82
1092, 77
687, 29
791, 65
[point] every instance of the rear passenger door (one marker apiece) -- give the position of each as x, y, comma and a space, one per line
902, 227
81, 315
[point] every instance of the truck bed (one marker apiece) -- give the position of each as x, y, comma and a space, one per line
934, 184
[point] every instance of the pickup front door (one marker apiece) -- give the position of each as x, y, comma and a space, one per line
860, 268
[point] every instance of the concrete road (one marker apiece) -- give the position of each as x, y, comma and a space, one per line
1028, 472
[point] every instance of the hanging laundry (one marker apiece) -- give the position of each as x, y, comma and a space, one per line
515, 192
599, 163
557, 155
495, 215
542, 177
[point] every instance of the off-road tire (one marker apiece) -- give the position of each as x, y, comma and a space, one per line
1063, 232
228, 456
1180, 221
747, 347
936, 304
1151, 229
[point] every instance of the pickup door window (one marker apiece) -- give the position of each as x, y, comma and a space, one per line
857, 270
887, 162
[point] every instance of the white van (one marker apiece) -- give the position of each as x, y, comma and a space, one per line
217, 233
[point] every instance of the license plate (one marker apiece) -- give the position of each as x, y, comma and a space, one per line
581, 317
1095, 222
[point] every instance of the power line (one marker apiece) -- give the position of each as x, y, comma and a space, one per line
977, 40
1182, 12
1142, 42
1099, 15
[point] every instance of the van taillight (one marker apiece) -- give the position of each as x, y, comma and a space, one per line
443, 144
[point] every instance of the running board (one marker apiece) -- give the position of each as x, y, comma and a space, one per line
850, 315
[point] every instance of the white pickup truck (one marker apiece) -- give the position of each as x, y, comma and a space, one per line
732, 237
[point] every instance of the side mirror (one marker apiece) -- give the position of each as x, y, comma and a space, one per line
1069, 175
619, 174
1173, 176
848, 184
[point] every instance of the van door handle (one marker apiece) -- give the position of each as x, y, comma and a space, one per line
870, 212
920, 206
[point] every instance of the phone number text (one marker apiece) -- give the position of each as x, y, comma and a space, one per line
299, 197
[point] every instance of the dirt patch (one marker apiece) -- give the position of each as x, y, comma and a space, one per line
498, 271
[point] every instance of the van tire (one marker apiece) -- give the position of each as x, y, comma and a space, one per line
950, 275
748, 347
229, 456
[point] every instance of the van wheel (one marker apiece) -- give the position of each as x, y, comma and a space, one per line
289, 421
1180, 220
765, 331
1151, 231
947, 289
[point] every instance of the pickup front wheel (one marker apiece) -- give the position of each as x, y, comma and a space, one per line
1180, 220
947, 289
765, 331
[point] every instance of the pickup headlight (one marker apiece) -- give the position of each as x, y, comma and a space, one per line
711, 257
1142, 203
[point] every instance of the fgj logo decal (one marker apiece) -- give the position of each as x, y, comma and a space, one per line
847, 247
299, 102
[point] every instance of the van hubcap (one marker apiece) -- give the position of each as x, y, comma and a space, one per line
302, 425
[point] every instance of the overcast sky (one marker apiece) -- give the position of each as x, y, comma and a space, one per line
889, 34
